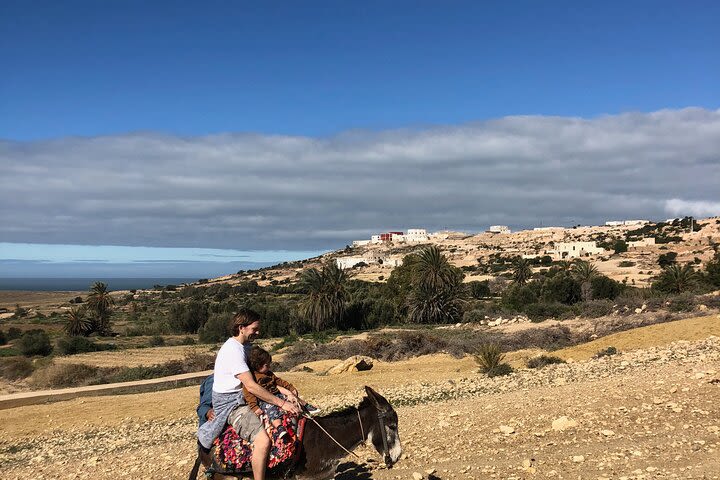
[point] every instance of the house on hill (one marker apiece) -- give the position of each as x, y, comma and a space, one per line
569, 250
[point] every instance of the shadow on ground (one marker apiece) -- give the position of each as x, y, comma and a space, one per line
354, 471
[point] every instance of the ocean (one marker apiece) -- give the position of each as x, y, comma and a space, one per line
83, 284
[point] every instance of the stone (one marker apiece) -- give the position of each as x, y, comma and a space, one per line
417, 476
578, 458
506, 430
607, 433
563, 423
356, 363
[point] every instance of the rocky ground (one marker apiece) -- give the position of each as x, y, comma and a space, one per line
651, 413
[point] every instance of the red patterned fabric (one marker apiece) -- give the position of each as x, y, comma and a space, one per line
232, 454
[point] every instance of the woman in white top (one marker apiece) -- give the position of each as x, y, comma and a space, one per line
231, 373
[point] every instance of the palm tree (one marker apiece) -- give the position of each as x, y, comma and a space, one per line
100, 303
77, 322
677, 279
432, 269
522, 271
326, 295
437, 290
584, 272
428, 305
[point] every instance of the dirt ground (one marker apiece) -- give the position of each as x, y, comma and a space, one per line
649, 414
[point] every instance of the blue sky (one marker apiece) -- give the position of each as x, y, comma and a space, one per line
300, 126
318, 68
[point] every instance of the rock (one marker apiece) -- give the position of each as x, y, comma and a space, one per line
578, 458
607, 433
506, 430
417, 476
356, 363
563, 423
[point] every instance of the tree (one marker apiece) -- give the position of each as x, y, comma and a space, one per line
676, 279
620, 246
667, 259
712, 270
437, 290
326, 295
522, 271
35, 342
77, 322
100, 305
584, 272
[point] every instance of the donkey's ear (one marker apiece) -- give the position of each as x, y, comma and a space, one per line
377, 399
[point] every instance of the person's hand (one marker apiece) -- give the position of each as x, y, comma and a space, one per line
293, 398
210, 414
290, 407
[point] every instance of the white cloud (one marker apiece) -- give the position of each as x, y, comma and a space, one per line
245, 191
681, 208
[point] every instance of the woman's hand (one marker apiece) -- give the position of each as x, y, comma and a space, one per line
290, 407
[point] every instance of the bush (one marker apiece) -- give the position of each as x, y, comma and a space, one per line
74, 345
489, 356
16, 368
14, 333
607, 352
66, 375
479, 289
537, 312
604, 287
3, 338
500, 371
626, 263
562, 288
667, 259
156, 341
685, 302
594, 308
35, 342
543, 360
216, 329
620, 246
188, 341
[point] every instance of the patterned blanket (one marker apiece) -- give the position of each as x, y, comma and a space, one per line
231, 454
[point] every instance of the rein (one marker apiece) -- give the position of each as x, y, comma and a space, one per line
331, 437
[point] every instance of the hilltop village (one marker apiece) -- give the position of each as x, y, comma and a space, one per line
624, 250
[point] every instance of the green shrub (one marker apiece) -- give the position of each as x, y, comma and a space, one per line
500, 371
543, 360
620, 246
13, 333
685, 302
76, 344
667, 259
216, 329
594, 308
607, 352
156, 341
35, 342
604, 287
15, 368
537, 312
479, 289
489, 356
626, 263
562, 288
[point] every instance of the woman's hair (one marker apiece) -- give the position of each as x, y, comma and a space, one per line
258, 358
243, 318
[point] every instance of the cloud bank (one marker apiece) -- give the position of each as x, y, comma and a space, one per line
246, 191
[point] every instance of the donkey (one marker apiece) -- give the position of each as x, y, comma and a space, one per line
373, 420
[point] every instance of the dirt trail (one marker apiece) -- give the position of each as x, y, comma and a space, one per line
647, 414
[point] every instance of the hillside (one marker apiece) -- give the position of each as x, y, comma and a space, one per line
486, 255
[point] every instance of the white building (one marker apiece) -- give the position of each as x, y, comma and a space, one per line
636, 222
614, 223
498, 229
645, 242
348, 262
565, 250
416, 235
375, 239
360, 243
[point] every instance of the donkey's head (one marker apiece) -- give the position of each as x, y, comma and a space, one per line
384, 432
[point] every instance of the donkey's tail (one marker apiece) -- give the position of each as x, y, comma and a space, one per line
195, 469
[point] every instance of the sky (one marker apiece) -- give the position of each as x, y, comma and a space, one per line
300, 126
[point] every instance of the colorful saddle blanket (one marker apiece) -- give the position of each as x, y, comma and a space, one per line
231, 454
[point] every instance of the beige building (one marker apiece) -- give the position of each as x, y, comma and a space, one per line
569, 250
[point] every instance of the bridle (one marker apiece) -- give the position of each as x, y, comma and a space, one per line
381, 417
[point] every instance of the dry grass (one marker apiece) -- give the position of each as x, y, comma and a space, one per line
135, 357
646, 337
